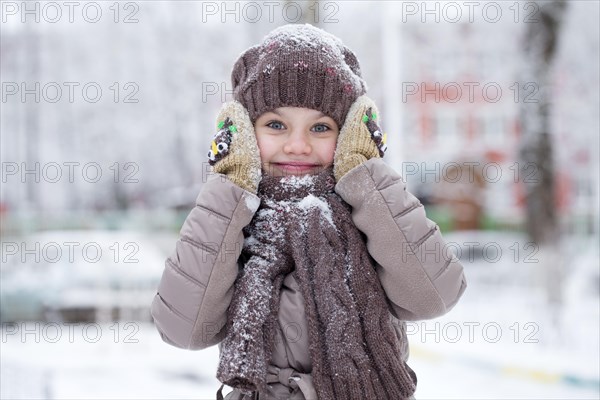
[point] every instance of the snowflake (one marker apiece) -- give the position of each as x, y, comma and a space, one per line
301, 65
268, 69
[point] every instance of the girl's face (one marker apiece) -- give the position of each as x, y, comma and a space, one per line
295, 141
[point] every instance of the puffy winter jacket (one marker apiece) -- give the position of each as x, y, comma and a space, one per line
421, 281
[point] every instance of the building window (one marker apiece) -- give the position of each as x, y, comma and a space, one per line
447, 129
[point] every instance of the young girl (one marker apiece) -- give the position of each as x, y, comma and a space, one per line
305, 253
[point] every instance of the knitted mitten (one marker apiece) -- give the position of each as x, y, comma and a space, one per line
234, 150
360, 137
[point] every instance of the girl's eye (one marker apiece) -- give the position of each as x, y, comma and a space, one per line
275, 125
320, 128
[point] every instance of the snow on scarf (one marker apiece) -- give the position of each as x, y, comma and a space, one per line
304, 227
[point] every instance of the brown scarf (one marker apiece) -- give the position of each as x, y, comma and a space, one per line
304, 227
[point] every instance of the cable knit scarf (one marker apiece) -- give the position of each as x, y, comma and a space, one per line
304, 227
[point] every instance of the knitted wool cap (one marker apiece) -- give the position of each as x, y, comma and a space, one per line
298, 66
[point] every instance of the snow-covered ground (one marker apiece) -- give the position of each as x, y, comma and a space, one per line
500, 342
108, 361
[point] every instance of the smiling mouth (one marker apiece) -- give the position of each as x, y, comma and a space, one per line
296, 167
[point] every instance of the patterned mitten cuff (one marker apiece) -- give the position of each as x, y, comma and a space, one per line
360, 137
234, 150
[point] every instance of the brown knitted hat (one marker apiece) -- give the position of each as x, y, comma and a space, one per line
298, 66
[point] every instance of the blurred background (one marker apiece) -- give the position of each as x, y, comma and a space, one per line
107, 112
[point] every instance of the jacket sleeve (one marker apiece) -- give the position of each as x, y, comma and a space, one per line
421, 276
195, 290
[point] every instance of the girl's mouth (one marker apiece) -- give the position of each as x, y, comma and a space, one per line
295, 167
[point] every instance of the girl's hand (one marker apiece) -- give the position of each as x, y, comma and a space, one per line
360, 137
234, 150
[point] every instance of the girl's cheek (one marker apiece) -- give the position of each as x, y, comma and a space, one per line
331, 151
261, 146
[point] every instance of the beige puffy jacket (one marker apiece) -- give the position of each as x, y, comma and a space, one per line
421, 277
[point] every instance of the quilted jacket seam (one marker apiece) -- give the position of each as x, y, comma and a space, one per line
174, 310
409, 209
187, 239
185, 275
213, 212
443, 269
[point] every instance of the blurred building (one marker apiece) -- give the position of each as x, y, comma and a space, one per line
446, 91
459, 94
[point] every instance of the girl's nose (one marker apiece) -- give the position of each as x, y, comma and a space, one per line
297, 143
